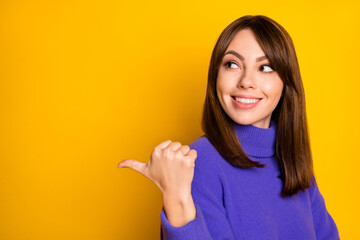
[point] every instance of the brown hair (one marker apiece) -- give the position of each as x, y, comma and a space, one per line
292, 141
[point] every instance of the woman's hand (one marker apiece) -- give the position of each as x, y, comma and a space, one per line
171, 168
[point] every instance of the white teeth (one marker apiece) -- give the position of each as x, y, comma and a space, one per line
246, 100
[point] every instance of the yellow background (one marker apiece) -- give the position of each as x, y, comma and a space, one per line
86, 84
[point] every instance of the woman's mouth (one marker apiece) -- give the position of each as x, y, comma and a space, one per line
245, 103
246, 100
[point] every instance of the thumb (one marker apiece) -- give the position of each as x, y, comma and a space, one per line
136, 165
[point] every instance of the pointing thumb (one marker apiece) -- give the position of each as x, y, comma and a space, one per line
131, 163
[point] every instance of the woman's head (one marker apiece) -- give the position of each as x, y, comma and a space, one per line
247, 87
277, 46
266, 38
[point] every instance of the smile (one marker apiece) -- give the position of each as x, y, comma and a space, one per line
247, 100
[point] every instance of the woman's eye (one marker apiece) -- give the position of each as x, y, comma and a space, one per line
266, 68
231, 65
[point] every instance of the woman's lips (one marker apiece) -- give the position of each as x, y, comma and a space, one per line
245, 96
245, 102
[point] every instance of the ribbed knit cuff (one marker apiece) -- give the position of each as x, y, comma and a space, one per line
195, 229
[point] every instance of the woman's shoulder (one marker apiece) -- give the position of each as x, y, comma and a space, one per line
202, 145
206, 152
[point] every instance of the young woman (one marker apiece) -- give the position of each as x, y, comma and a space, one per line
253, 175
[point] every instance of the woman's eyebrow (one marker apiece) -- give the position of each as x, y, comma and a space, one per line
259, 59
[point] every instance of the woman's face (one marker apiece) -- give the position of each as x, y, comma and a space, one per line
247, 87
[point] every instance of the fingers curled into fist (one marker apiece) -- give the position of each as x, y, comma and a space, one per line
174, 146
184, 149
171, 166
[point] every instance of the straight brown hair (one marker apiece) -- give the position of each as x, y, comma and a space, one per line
292, 139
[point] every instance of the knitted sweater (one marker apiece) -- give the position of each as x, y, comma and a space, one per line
234, 203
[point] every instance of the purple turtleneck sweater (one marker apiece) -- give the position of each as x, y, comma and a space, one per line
234, 203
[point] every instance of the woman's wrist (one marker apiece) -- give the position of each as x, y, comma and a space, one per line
179, 210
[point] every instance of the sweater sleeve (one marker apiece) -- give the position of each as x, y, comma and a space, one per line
324, 225
211, 222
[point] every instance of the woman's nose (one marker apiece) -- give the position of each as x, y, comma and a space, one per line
246, 80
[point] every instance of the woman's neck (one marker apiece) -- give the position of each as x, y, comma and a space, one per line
256, 141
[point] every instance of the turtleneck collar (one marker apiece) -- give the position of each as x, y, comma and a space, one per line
255, 141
